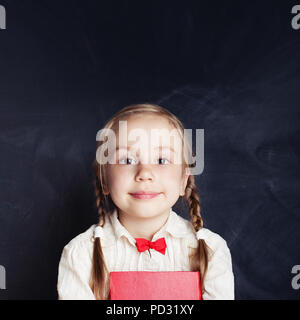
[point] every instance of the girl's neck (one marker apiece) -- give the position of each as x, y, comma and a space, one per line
143, 227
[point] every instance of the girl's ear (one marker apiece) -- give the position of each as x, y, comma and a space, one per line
184, 182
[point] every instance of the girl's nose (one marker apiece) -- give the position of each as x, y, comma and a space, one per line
144, 172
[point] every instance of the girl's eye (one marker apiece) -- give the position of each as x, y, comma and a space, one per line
132, 161
163, 161
127, 161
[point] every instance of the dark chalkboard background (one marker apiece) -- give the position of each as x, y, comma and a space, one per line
230, 67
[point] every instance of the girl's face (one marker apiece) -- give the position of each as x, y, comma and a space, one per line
135, 172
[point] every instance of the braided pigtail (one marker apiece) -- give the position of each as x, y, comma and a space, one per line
199, 260
99, 281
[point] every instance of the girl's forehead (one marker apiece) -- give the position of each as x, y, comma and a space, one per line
147, 122
153, 129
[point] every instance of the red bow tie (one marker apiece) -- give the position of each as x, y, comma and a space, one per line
144, 244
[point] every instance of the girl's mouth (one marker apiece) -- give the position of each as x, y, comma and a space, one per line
144, 195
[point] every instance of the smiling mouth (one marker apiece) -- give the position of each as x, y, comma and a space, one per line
144, 195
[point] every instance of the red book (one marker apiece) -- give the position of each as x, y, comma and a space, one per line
157, 285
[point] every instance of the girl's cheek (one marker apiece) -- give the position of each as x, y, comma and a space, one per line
116, 175
172, 171
121, 174
119, 182
115, 169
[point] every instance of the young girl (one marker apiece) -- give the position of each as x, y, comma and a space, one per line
134, 199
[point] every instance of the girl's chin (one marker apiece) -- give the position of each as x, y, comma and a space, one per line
147, 211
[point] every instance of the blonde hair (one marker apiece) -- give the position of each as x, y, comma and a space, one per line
99, 281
